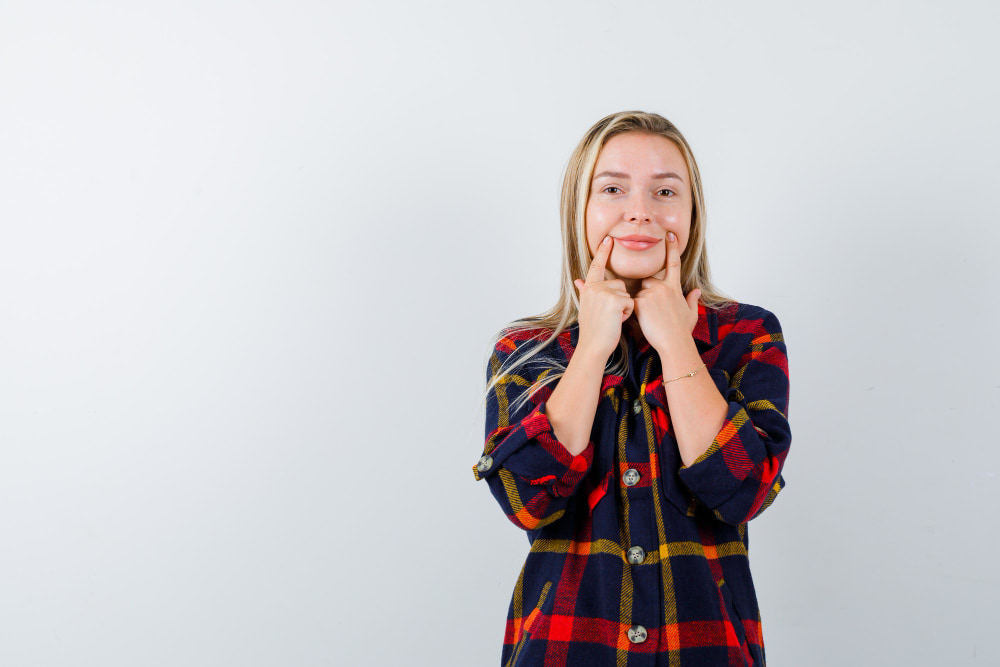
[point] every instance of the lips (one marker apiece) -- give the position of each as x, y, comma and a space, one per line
637, 241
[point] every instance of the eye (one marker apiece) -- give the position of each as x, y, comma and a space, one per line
612, 190
666, 192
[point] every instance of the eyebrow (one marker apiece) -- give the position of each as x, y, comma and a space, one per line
622, 175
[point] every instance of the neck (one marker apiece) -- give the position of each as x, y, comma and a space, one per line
632, 324
632, 286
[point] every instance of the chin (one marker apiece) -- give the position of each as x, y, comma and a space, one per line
636, 272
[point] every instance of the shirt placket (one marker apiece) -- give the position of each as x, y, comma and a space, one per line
637, 486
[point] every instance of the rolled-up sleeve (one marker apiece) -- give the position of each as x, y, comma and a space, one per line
739, 475
529, 472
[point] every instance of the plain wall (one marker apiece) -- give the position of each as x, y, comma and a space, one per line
252, 255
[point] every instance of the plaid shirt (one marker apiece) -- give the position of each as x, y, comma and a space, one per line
635, 558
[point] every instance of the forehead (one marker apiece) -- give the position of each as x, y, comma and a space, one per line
640, 152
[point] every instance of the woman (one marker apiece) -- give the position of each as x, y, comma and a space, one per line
635, 428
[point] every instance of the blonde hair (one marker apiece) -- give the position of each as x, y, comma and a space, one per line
577, 258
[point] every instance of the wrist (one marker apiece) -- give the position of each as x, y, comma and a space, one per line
674, 341
589, 357
678, 357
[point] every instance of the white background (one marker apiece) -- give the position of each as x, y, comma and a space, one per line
252, 255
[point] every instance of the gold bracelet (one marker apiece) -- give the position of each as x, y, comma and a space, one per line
689, 375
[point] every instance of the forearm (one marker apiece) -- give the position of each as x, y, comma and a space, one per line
697, 409
573, 403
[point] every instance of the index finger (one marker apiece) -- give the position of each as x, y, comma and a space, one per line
596, 274
673, 259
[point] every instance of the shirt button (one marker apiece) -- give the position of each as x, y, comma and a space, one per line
630, 478
637, 634
637, 407
636, 555
485, 463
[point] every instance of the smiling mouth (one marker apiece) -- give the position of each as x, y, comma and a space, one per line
636, 242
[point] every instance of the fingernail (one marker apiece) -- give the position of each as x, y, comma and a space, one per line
670, 235
607, 240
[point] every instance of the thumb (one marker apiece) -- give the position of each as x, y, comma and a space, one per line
692, 298
579, 284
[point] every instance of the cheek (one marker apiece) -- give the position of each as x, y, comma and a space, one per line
663, 257
595, 228
679, 224
675, 220
592, 237
685, 234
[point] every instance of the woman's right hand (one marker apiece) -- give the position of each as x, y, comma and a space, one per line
604, 306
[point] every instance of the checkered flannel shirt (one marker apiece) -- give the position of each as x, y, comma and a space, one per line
636, 559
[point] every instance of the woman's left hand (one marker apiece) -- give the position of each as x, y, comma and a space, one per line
667, 318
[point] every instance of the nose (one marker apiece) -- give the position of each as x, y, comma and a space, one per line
637, 211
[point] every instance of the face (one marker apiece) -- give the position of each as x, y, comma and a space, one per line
640, 191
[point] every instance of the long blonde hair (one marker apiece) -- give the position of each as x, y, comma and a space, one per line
576, 259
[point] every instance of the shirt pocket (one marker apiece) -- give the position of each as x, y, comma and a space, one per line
673, 488
733, 617
525, 651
